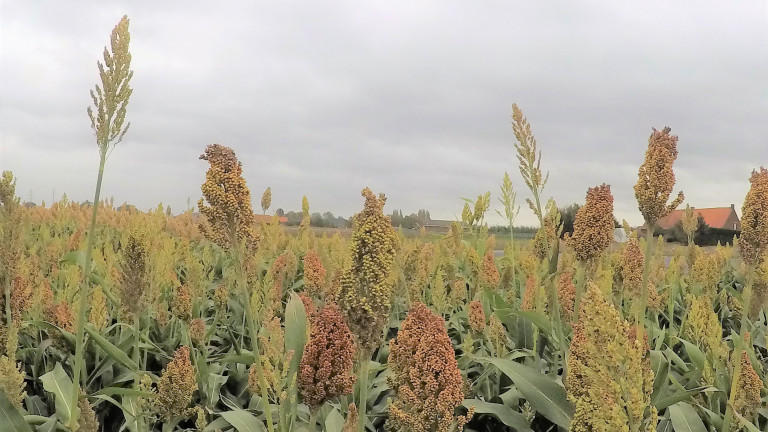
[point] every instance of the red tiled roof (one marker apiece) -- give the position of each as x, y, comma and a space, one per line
714, 217
268, 218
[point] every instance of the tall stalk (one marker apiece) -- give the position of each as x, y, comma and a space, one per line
250, 320
107, 117
739, 348
363, 371
529, 159
508, 198
640, 317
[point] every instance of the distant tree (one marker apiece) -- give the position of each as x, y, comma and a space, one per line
316, 220
294, 218
280, 212
568, 217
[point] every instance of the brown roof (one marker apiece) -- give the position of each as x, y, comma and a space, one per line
714, 217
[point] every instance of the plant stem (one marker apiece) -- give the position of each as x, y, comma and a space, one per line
739, 348
581, 279
85, 288
640, 318
312, 420
362, 405
250, 323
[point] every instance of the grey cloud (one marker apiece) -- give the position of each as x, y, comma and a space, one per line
413, 99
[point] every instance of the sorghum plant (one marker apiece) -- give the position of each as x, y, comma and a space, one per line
107, 115
609, 378
655, 180
366, 287
753, 246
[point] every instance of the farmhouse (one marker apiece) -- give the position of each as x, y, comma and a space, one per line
724, 218
718, 217
437, 226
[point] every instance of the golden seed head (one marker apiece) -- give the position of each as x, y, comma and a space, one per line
566, 292
182, 303
607, 397
367, 285
12, 380
87, 422
176, 386
111, 97
134, 272
228, 213
753, 242
703, 327
656, 177
632, 262
476, 316
489, 274
197, 331
98, 315
266, 199
314, 274
748, 398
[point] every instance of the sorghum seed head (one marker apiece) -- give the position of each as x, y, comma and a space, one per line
656, 177
325, 370
593, 226
753, 242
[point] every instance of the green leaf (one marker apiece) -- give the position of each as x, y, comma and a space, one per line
74, 257
694, 353
243, 421
218, 424
505, 414
543, 392
123, 392
246, 358
679, 397
334, 422
10, 418
112, 351
685, 418
660, 366
295, 331
58, 382
537, 319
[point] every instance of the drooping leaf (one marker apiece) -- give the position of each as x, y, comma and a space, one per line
681, 396
58, 382
505, 414
334, 422
685, 418
11, 419
243, 421
112, 351
542, 392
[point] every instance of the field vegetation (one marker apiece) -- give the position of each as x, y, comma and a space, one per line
115, 319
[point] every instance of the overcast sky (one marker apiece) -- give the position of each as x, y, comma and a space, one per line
410, 98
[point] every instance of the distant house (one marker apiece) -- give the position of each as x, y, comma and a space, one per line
437, 226
716, 217
258, 218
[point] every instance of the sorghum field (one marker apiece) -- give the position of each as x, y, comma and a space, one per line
124, 320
